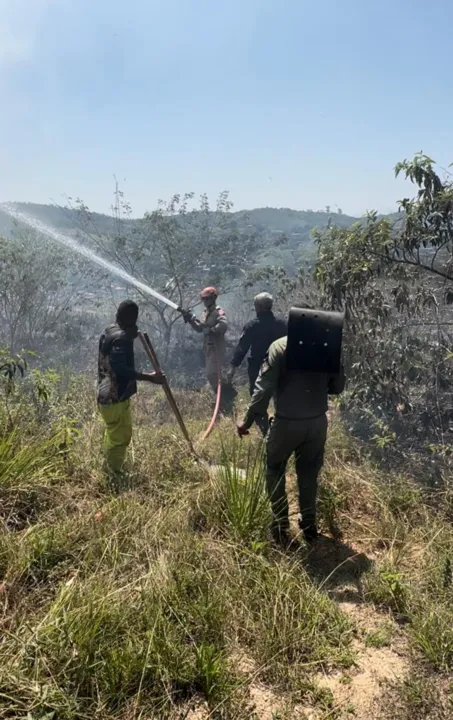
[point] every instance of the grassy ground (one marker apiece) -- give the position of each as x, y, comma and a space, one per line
159, 596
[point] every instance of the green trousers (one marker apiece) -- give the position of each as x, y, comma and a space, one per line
306, 439
118, 432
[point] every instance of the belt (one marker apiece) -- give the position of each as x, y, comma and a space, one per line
298, 419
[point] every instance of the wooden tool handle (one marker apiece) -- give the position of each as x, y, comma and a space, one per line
146, 342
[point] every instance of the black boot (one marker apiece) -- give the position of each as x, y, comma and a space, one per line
311, 533
309, 530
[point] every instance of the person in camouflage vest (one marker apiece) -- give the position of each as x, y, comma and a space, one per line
117, 382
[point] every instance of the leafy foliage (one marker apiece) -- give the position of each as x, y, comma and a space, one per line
390, 280
11, 366
428, 224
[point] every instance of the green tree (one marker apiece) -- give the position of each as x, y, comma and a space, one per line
389, 278
421, 241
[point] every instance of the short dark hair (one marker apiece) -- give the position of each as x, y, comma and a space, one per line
127, 313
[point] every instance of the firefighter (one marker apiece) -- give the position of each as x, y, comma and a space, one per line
257, 336
117, 382
213, 324
299, 427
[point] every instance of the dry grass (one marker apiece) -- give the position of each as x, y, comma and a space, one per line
138, 599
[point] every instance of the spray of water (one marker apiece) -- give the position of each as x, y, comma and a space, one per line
72, 244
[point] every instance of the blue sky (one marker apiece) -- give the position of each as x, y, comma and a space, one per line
287, 103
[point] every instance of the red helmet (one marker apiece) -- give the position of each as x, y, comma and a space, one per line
208, 292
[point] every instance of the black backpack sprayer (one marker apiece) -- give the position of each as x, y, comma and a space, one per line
314, 341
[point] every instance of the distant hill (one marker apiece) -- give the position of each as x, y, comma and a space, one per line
60, 218
295, 225
276, 220
285, 220
271, 223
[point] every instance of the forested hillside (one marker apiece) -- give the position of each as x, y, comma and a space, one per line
273, 220
272, 225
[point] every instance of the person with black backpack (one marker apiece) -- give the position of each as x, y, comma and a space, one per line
299, 371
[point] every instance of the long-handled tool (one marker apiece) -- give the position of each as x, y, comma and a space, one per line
146, 342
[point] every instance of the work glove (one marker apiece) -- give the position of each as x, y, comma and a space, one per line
186, 314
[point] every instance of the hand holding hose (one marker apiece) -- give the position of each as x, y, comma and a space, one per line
186, 314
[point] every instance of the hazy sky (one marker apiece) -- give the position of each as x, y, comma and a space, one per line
293, 103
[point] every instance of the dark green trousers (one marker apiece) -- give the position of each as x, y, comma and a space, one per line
262, 421
306, 439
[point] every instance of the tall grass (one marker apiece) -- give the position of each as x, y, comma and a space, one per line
24, 466
239, 485
163, 594
28, 471
133, 608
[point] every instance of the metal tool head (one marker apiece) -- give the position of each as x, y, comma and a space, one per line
314, 340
